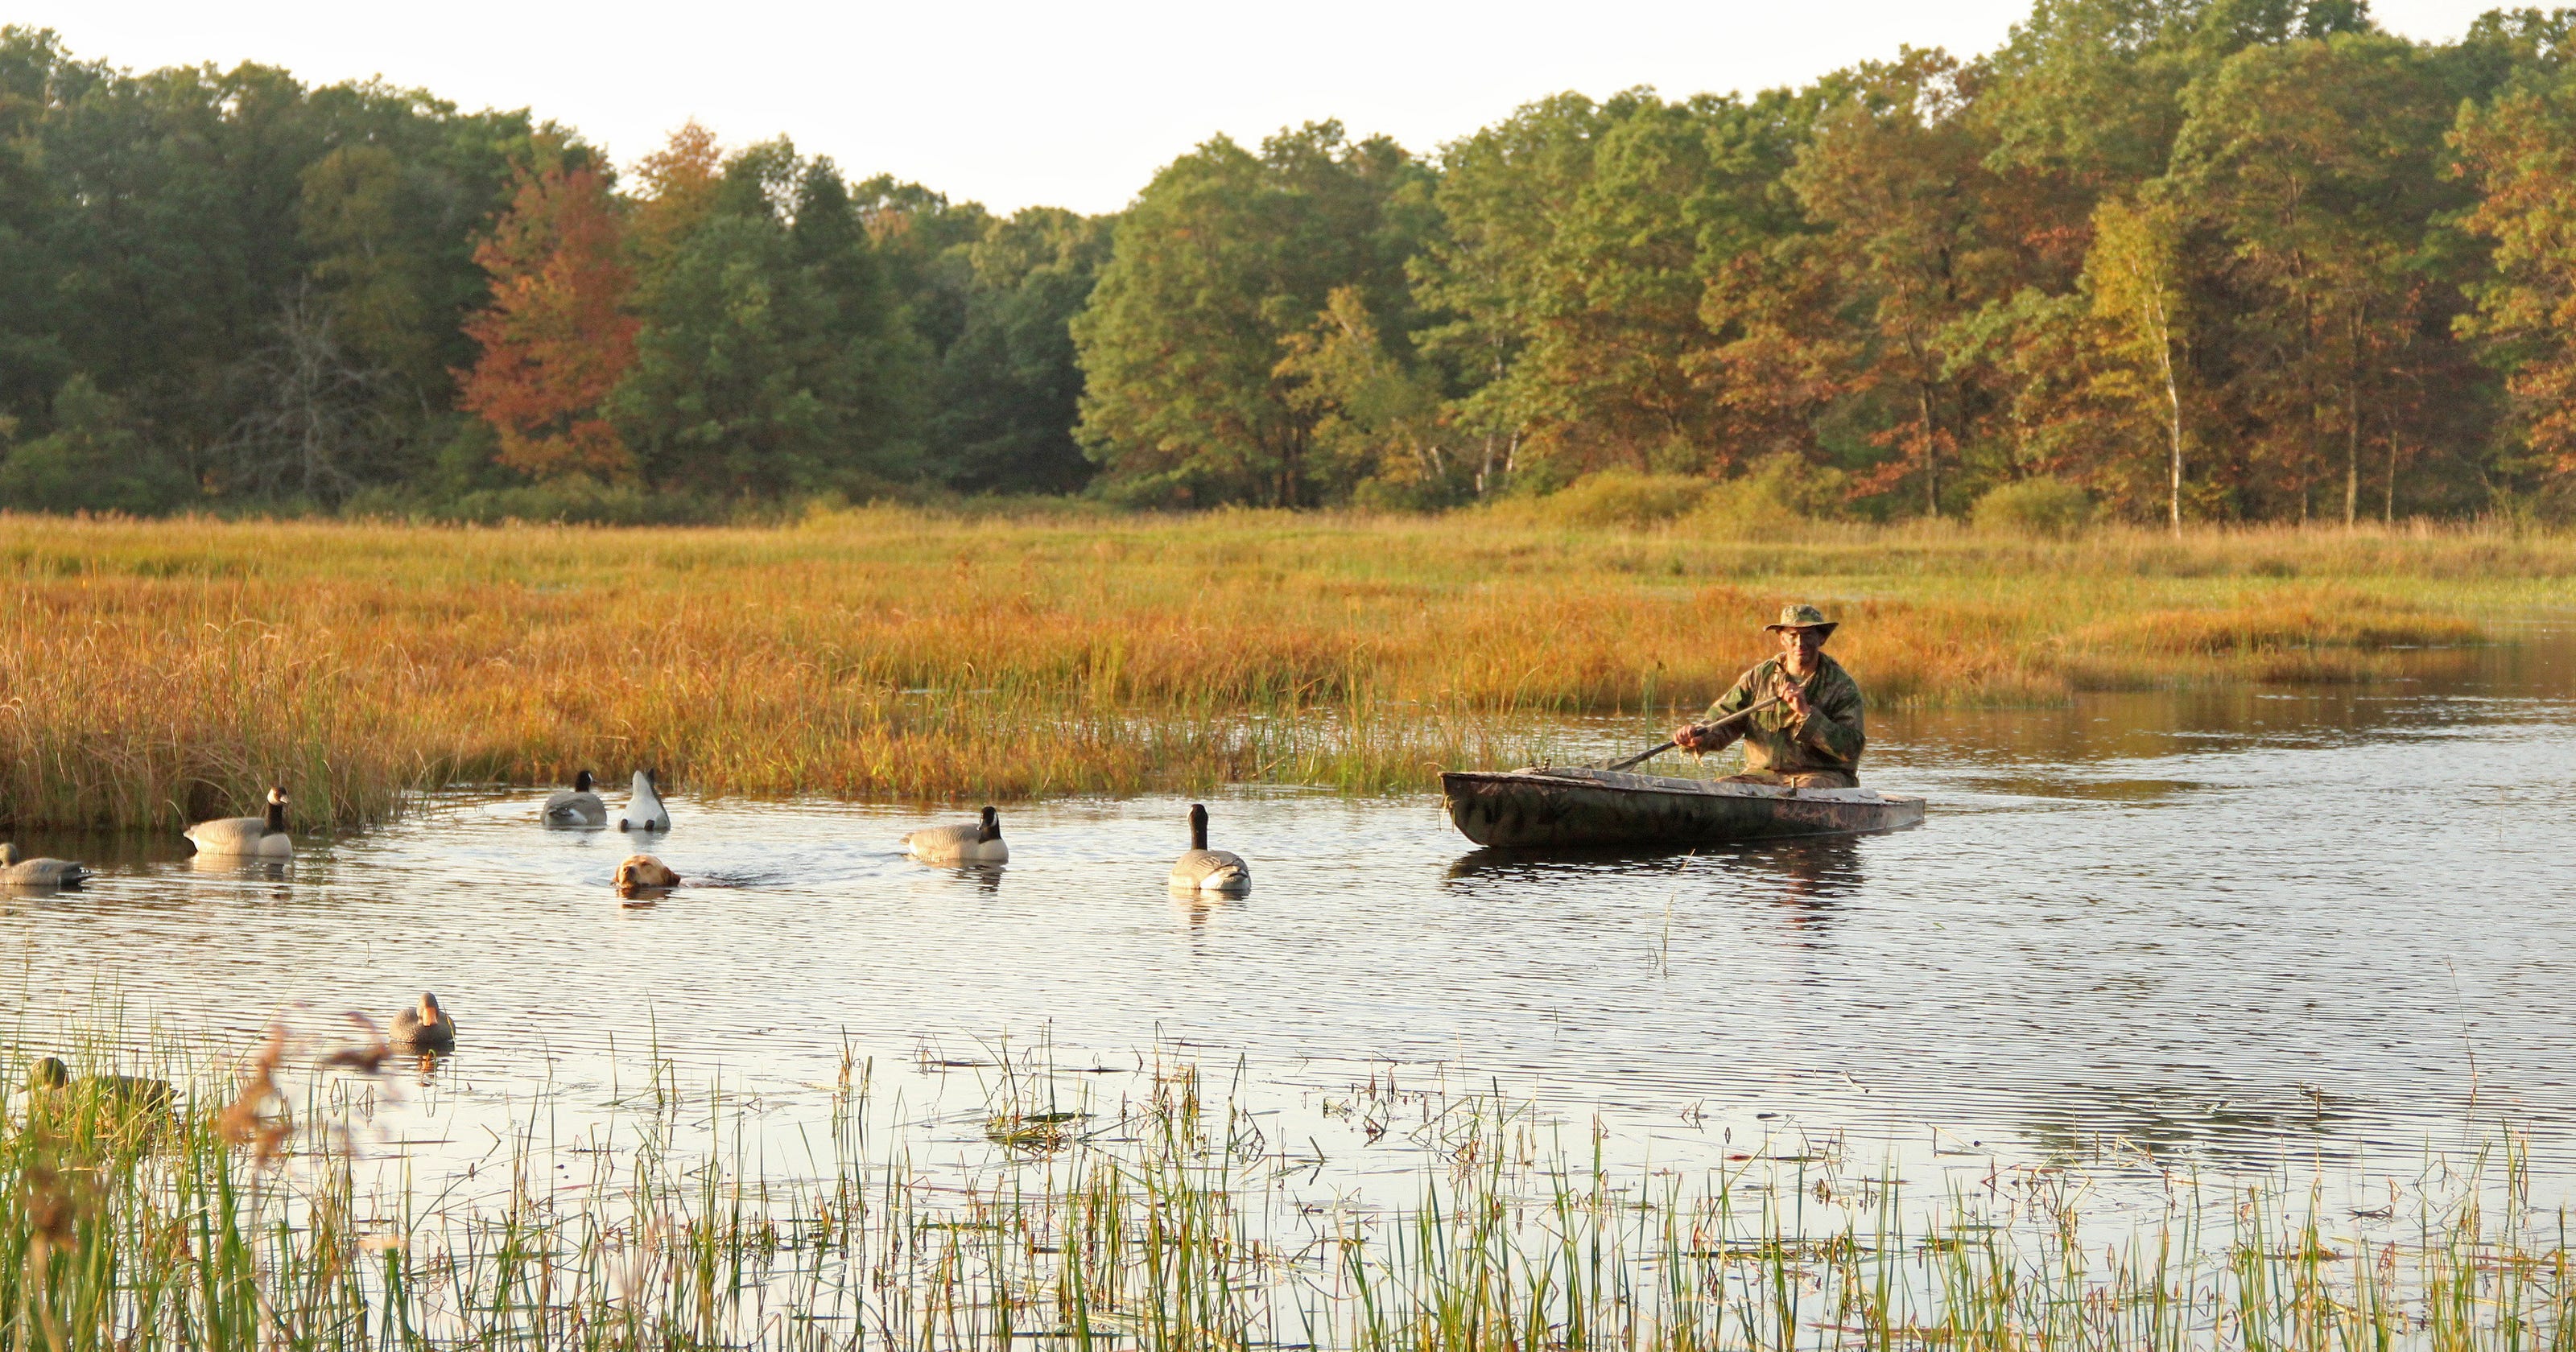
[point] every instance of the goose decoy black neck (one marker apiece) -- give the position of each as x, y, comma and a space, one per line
1198, 826
276, 809
581, 782
991, 830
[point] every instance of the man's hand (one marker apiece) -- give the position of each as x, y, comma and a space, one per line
1687, 736
1792, 698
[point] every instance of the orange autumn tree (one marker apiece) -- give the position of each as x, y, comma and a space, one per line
556, 338
680, 183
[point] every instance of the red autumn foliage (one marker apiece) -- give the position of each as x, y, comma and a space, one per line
556, 338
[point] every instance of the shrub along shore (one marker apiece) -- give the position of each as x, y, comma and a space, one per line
162, 671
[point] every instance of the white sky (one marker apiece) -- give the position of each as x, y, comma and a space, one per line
1017, 103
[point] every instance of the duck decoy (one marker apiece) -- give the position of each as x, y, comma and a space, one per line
1206, 870
644, 811
979, 842
132, 1091
423, 1028
17, 869
576, 806
250, 837
643, 870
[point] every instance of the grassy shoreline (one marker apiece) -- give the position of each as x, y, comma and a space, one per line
158, 672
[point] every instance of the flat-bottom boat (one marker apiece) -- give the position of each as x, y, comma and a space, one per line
1569, 806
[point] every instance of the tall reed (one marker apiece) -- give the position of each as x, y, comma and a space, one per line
1174, 1221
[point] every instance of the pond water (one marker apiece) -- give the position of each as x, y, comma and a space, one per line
2305, 927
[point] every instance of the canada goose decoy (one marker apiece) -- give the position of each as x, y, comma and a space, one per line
134, 1091
1206, 870
424, 1027
576, 806
252, 837
980, 843
644, 811
643, 870
18, 869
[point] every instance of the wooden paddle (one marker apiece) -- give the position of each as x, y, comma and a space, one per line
1660, 748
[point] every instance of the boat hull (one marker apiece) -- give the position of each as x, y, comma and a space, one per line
1520, 809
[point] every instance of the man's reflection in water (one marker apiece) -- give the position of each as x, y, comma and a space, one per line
1810, 877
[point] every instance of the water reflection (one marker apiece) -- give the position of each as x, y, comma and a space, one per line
1514, 867
2092, 790
2202, 1121
1197, 908
239, 867
1807, 876
983, 878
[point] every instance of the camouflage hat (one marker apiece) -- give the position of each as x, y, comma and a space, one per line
1802, 617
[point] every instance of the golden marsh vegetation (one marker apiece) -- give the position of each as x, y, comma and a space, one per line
159, 671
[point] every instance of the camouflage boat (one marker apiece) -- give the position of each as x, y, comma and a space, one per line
1553, 806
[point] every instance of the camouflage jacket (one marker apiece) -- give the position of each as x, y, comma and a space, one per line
1775, 740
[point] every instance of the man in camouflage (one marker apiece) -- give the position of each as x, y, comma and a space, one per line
1811, 738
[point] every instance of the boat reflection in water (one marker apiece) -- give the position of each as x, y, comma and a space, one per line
1498, 864
1808, 875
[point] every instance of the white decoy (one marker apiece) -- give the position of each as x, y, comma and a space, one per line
252, 837
423, 1028
1206, 870
644, 811
18, 869
978, 843
643, 870
576, 806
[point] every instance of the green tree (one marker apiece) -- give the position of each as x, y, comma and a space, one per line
2322, 162
924, 240
33, 363
1480, 278
95, 460
1009, 388
1377, 421
769, 361
2134, 273
1629, 289
1225, 255
1922, 235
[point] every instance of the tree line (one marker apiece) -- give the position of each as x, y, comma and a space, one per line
2203, 259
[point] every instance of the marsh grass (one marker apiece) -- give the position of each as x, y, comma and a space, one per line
1175, 1221
161, 672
